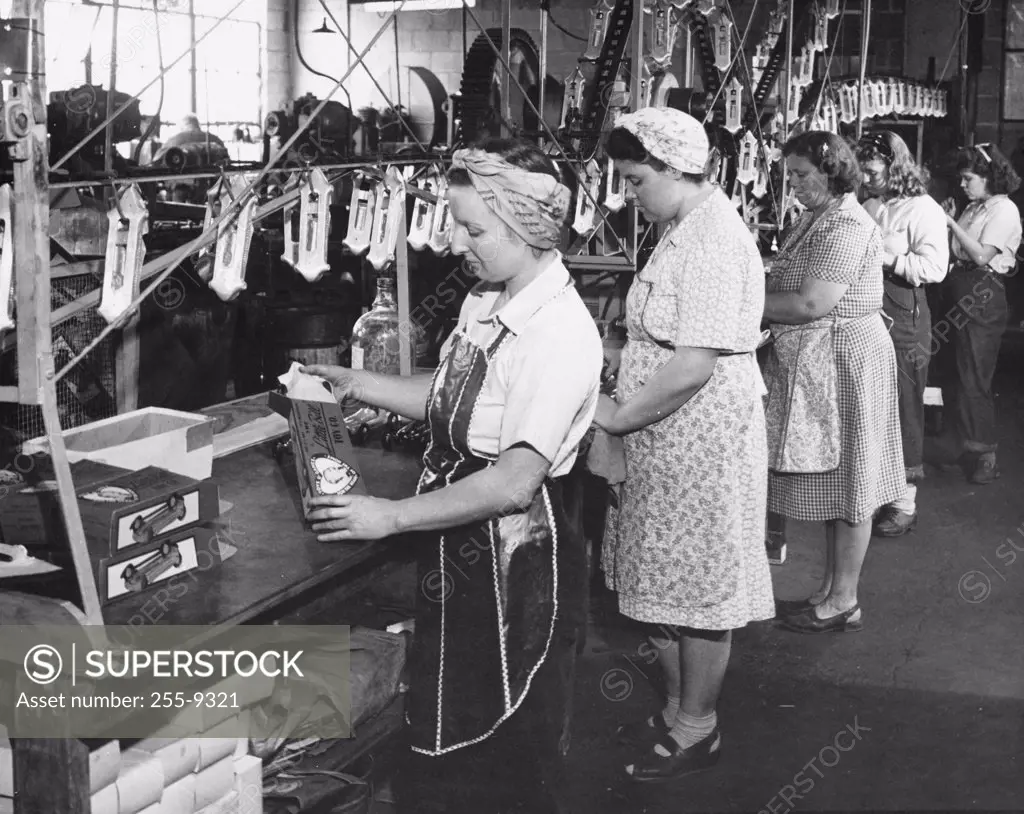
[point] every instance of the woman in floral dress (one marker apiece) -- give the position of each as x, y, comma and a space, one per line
684, 547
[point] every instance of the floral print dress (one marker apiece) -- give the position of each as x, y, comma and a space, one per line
684, 542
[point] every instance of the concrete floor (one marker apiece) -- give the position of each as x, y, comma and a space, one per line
930, 694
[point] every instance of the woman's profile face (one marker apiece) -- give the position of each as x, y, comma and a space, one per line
809, 184
492, 252
975, 186
876, 176
657, 194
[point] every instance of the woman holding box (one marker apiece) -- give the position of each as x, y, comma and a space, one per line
502, 575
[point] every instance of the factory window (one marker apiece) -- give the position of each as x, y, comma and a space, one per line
220, 80
885, 38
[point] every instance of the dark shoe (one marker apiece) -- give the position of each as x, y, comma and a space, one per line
808, 622
775, 545
792, 607
644, 733
655, 768
986, 470
894, 523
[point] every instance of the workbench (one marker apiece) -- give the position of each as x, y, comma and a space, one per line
280, 573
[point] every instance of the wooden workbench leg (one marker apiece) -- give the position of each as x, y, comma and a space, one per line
51, 775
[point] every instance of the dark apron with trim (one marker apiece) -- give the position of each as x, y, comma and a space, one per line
500, 601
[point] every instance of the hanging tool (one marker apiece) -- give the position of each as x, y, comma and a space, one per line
819, 38
440, 242
746, 169
706, 7
6, 261
423, 211
600, 16
290, 255
361, 213
734, 105
314, 226
128, 221
205, 256
831, 8
391, 199
584, 223
572, 102
805, 63
614, 200
662, 38
234, 234
721, 31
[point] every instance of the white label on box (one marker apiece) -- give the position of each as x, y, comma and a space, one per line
357, 357
124, 529
189, 560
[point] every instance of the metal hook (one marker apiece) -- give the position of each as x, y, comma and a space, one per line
313, 194
117, 203
225, 186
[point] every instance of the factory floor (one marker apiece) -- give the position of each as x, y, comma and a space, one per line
930, 695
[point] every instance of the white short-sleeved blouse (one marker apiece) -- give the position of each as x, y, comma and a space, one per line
544, 381
995, 222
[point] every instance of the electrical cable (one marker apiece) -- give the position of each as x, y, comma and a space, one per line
306, 65
155, 123
558, 25
953, 48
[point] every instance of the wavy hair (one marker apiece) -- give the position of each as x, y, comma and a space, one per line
830, 154
905, 179
988, 162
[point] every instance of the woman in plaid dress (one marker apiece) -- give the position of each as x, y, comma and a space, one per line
828, 276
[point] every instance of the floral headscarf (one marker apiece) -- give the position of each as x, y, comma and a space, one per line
674, 137
531, 204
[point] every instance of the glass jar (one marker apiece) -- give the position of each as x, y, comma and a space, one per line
375, 336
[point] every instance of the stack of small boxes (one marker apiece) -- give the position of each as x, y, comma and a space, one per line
206, 775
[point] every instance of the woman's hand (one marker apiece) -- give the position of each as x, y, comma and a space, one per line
346, 384
605, 415
949, 207
338, 518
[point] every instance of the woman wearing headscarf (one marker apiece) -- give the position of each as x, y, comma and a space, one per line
835, 454
502, 575
986, 237
684, 547
915, 253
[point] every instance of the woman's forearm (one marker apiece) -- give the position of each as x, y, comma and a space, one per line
405, 395
787, 308
508, 486
978, 253
665, 392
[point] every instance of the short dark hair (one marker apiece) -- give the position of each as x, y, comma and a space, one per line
986, 160
906, 178
830, 154
521, 154
622, 145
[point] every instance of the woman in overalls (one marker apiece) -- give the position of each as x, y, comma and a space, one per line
502, 578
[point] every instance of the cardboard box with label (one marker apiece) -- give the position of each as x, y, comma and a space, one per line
325, 460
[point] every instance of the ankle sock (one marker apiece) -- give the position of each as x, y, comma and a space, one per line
689, 729
671, 710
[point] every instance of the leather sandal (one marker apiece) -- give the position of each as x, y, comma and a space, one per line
643, 733
792, 607
810, 622
656, 768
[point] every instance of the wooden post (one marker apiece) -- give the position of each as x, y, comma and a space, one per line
51, 774
406, 359
506, 52
31, 218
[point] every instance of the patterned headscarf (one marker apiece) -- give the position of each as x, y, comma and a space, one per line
674, 137
531, 204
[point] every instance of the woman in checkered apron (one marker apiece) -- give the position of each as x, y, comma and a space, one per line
835, 453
